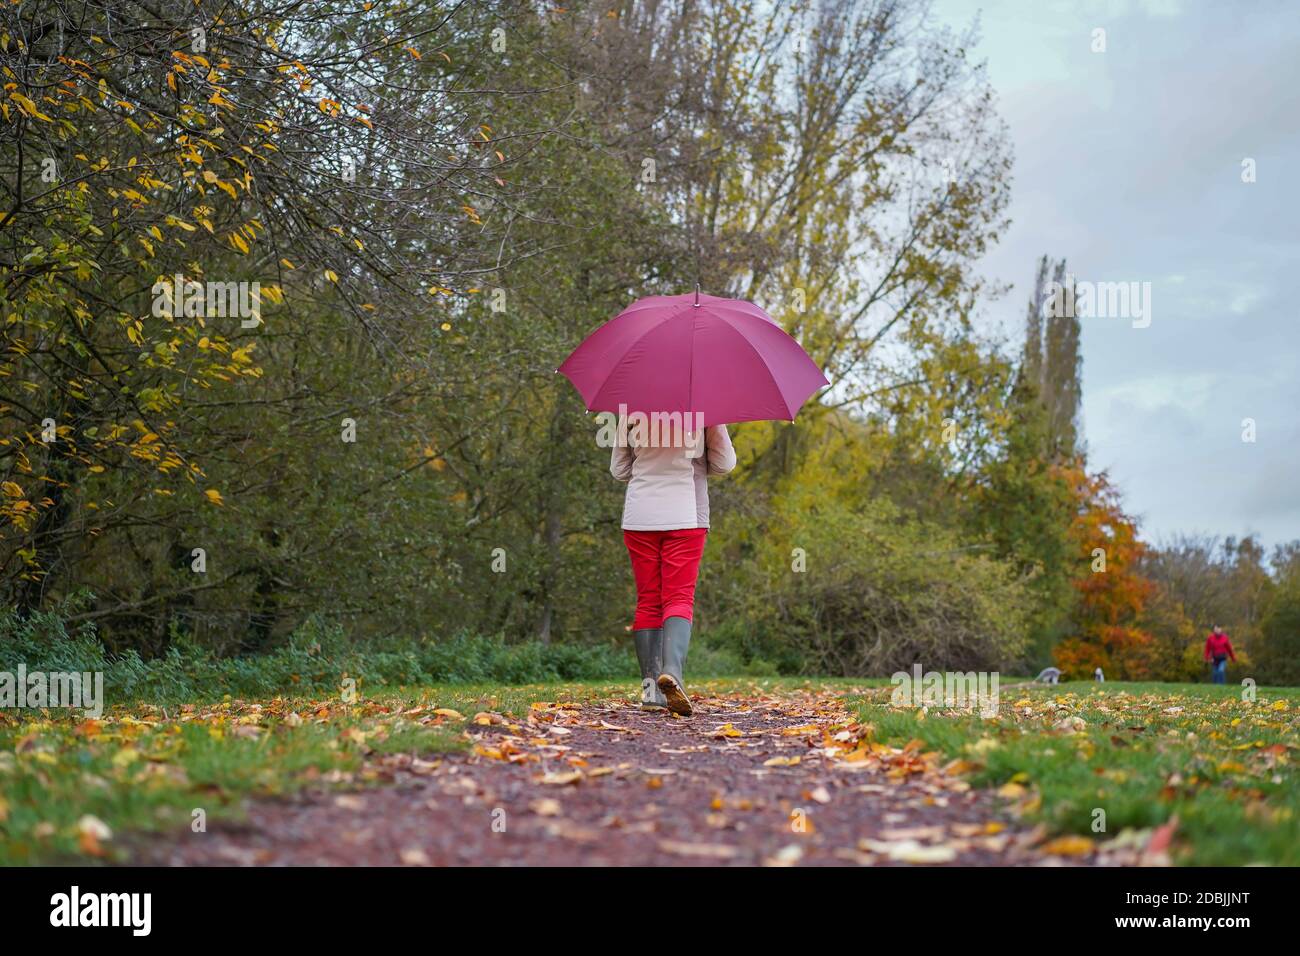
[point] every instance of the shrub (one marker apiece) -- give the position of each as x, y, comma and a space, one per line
315, 660
880, 591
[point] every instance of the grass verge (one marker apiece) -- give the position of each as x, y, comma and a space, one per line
1130, 757
70, 786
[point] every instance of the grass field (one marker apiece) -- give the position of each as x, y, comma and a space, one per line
71, 788
1141, 754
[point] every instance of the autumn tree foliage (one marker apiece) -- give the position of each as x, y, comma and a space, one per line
1113, 594
151, 152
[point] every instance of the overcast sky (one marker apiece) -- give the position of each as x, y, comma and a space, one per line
1129, 165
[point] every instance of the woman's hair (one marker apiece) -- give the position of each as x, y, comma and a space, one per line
656, 432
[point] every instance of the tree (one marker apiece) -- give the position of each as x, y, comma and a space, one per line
1113, 594
220, 144
1216, 582
1277, 652
1026, 504
1052, 364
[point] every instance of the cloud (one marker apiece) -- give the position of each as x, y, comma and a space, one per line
1128, 164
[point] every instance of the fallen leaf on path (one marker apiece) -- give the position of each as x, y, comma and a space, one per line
568, 830
787, 856
1068, 846
801, 731
561, 779
414, 856
914, 833
977, 829
924, 854
715, 851
909, 851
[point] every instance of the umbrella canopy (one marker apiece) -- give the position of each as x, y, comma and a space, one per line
725, 359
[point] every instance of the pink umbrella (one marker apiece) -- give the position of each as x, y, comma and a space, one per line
724, 358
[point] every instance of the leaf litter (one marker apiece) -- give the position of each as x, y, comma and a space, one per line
788, 778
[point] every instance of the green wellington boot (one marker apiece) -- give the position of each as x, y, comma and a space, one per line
650, 654
677, 638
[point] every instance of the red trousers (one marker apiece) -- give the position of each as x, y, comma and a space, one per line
665, 565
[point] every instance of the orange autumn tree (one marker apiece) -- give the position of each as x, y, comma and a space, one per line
1112, 592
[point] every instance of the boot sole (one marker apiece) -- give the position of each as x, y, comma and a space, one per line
675, 694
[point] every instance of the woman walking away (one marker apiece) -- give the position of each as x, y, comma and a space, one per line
1217, 651
665, 522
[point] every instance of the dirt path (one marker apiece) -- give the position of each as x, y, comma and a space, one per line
777, 780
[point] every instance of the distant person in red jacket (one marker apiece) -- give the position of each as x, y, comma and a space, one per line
1217, 651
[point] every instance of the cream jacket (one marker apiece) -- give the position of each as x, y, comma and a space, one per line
667, 488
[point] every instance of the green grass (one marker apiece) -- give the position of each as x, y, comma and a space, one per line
1145, 753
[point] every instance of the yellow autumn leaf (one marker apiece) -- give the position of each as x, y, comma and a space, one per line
1068, 846
214, 496
28, 107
